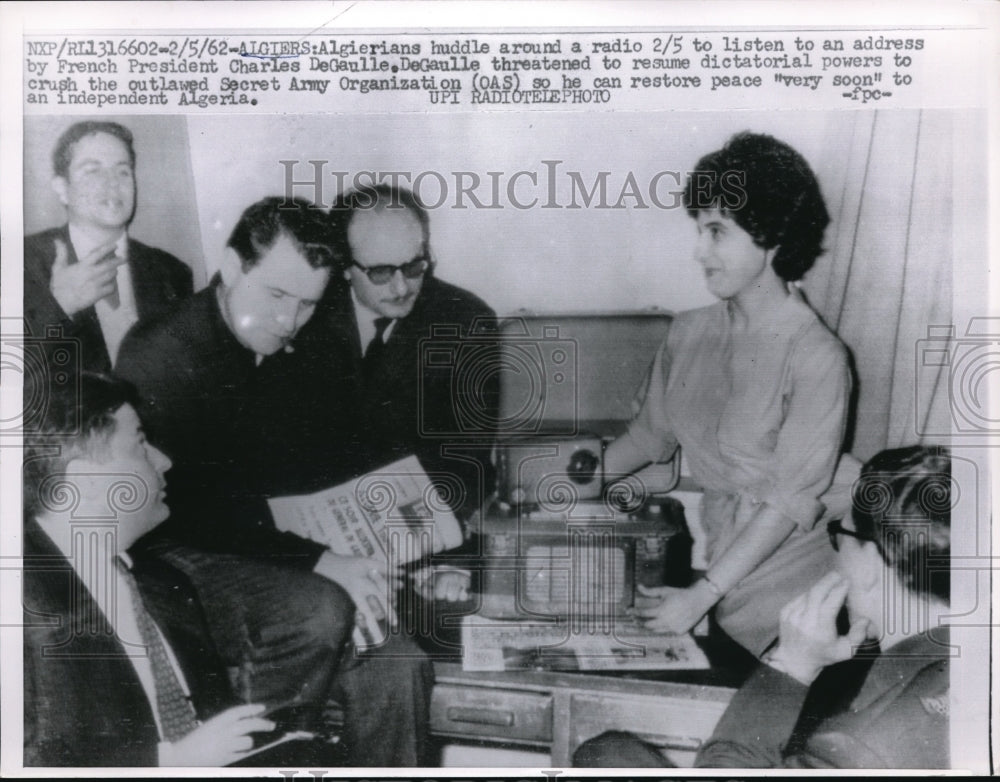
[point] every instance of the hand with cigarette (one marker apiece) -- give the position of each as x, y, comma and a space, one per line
222, 740
80, 285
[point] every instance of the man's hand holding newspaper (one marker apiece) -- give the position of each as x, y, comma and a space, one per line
373, 526
371, 584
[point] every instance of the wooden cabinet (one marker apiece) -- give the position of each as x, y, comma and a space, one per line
559, 711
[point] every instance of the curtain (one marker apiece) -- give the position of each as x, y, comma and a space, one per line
885, 283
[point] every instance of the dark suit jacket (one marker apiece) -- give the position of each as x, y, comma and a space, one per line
83, 703
237, 433
434, 391
897, 719
160, 281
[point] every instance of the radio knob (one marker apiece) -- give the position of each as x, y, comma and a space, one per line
582, 466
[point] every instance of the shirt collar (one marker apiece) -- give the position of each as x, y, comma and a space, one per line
362, 310
366, 317
83, 244
790, 312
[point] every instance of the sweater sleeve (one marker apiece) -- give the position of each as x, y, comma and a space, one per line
758, 723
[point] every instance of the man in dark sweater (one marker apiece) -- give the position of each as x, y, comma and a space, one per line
244, 417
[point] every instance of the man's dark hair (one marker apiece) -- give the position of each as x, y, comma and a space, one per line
379, 197
768, 189
78, 416
902, 502
62, 155
305, 224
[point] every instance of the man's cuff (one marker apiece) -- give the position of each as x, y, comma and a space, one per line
770, 701
802, 674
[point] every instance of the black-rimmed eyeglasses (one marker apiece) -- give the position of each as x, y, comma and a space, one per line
383, 273
834, 528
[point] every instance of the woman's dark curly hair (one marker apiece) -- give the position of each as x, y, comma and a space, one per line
768, 189
902, 502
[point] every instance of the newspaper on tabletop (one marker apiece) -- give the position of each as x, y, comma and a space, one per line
517, 645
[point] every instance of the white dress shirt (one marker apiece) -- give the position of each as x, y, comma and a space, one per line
115, 322
95, 566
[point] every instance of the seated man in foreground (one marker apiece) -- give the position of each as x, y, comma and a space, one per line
892, 561
102, 687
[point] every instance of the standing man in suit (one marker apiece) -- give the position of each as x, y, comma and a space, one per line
232, 401
422, 352
89, 277
102, 685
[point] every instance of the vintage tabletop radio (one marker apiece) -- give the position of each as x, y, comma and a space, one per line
559, 542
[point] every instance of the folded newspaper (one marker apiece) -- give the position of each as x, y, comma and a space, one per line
518, 645
394, 513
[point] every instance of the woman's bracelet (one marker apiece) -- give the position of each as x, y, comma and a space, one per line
713, 587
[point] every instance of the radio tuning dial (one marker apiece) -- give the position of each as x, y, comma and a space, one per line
583, 466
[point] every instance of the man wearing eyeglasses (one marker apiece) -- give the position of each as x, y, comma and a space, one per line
420, 350
820, 702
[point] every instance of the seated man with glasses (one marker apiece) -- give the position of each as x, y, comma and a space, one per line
421, 352
881, 707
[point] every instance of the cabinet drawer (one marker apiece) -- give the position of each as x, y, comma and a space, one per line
504, 714
674, 724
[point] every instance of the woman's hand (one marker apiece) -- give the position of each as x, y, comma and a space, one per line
222, 740
675, 611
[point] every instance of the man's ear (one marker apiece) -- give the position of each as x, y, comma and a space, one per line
231, 268
61, 186
79, 473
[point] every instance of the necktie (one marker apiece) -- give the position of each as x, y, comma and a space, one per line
177, 715
114, 298
376, 347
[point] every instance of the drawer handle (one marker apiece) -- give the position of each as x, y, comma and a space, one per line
685, 743
480, 716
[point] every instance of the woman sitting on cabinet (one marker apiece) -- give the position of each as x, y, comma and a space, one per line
754, 388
